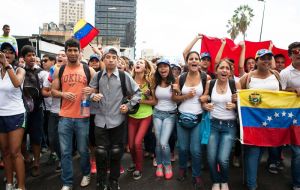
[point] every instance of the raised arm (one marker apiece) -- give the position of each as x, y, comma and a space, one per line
220, 52
242, 59
273, 65
191, 45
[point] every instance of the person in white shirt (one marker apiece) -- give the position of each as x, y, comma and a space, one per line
290, 80
12, 116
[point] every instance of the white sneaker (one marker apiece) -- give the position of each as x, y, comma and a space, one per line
224, 186
66, 188
85, 181
9, 187
215, 186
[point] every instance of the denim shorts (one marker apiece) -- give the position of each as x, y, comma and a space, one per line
12, 122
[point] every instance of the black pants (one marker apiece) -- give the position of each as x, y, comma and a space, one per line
108, 138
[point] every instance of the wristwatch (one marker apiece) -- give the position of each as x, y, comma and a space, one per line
8, 67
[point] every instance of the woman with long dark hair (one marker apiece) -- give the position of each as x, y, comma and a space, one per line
164, 117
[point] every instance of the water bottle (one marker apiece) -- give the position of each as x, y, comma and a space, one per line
85, 106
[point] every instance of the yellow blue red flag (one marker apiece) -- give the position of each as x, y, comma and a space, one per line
269, 118
84, 32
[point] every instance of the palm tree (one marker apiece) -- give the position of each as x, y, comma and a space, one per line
232, 28
241, 19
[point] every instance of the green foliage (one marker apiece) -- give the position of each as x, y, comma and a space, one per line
240, 21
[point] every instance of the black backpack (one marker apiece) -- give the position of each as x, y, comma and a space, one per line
86, 69
183, 76
32, 95
124, 90
231, 86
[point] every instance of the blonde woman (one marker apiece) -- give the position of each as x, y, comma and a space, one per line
139, 122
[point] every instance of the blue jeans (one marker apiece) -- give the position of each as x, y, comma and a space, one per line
163, 124
252, 159
222, 136
66, 128
295, 167
189, 141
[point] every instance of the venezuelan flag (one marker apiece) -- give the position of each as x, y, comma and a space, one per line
269, 118
84, 32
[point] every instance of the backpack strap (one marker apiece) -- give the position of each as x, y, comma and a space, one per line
248, 79
211, 86
99, 75
182, 79
87, 72
276, 74
203, 79
60, 74
123, 83
232, 86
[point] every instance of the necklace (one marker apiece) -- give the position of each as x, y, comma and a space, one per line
222, 89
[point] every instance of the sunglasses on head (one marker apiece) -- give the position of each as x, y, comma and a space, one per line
9, 51
296, 51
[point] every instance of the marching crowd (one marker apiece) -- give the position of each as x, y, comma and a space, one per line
109, 105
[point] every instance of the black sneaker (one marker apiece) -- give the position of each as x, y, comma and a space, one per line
273, 169
58, 167
137, 175
131, 168
279, 165
114, 185
101, 186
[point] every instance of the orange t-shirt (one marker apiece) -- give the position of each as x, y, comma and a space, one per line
73, 80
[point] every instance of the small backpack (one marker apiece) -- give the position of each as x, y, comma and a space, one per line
86, 69
32, 95
125, 100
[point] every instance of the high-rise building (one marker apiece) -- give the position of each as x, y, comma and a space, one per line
116, 18
70, 11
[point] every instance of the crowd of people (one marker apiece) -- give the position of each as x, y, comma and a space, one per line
109, 105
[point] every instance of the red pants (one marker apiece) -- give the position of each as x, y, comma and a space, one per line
137, 129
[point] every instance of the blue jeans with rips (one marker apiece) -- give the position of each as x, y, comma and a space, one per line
164, 123
66, 128
222, 136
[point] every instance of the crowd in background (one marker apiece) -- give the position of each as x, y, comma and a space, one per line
111, 104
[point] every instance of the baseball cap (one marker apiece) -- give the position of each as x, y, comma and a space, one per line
205, 54
95, 56
262, 52
111, 49
175, 65
5, 44
163, 61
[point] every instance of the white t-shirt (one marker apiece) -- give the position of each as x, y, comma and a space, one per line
269, 83
290, 77
55, 103
163, 96
48, 100
11, 102
220, 101
192, 105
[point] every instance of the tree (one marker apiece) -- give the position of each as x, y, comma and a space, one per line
240, 21
233, 29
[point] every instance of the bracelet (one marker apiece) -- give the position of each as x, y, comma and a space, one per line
61, 94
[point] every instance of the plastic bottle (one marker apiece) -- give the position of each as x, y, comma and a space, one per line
85, 106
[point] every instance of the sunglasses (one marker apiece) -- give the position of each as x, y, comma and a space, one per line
296, 51
45, 60
8, 51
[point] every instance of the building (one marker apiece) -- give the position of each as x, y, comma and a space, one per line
70, 11
116, 18
59, 33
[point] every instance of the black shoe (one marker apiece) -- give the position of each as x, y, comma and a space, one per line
114, 185
137, 175
198, 183
101, 186
182, 175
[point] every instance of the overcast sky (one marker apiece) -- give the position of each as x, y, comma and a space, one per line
167, 26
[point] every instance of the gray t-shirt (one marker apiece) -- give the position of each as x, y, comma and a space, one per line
108, 114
